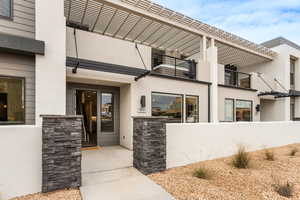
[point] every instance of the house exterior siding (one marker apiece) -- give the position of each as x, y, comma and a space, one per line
21, 66
22, 22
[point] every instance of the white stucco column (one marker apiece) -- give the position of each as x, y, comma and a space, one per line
212, 58
203, 48
50, 69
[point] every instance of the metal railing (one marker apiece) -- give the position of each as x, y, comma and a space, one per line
237, 79
172, 66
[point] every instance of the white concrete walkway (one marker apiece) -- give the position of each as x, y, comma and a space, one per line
107, 174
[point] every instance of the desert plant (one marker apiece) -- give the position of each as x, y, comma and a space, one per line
202, 172
294, 151
269, 155
285, 190
242, 158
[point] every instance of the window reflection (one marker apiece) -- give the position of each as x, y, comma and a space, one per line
12, 100
107, 110
192, 109
168, 105
229, 110
243, 110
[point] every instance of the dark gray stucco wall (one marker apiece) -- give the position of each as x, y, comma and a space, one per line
149, 144
61, 152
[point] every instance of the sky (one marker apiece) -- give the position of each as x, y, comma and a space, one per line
255, 20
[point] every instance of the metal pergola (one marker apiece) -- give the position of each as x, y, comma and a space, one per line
105, 18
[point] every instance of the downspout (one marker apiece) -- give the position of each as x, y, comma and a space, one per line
209, 97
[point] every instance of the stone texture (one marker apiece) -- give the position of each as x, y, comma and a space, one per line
149, 144
61, 153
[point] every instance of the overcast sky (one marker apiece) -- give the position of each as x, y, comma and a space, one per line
255, 20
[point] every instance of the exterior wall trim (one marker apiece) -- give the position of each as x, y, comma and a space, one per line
179, 78
238, 88
104, 67
21, 45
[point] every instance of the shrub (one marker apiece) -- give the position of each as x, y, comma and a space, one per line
285, 190
242, 159
269, 155
202, 173
294, 151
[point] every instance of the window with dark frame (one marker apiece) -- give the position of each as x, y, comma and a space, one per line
107, 112
192, 109
229, 110
292, 73
167, 105
243, 110
6, 8
12, 100
292, 108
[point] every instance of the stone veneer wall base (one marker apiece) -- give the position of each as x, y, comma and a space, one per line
149, 144
61, 153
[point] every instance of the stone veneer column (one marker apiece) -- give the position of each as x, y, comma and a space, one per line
149, 144
61, 153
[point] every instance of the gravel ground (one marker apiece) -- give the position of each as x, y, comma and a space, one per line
255, 183
58, 195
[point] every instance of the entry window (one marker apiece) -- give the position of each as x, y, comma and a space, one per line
192, 109
229, 110
107, 112
243, 110
6, 8
167, 105
12, 109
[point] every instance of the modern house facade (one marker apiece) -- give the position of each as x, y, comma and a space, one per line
112, 60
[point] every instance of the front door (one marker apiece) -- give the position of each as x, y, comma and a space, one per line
86, 105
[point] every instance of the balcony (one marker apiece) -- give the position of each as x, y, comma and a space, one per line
172, 66
237, 79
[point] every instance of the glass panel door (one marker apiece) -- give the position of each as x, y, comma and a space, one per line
107, 112
86, 105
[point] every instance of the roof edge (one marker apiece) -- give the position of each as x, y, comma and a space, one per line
280, 41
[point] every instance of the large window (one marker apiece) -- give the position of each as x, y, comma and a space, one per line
12, 109
168, 105
243, 110
229, 110
192, 109
107, 112
292, 108
292, 73
6, 8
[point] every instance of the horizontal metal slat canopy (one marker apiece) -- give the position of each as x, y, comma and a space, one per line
103, 17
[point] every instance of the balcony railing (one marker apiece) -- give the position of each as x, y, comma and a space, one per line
237, 79
172, 66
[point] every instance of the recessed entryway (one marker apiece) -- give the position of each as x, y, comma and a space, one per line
100, 107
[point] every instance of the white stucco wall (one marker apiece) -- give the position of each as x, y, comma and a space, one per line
126, 122
189, 143
21, 161
279, 68
149, 84
96, 47
50, 68
237, 94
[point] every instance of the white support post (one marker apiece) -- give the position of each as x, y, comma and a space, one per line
203, 49
50, 75
212, 58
